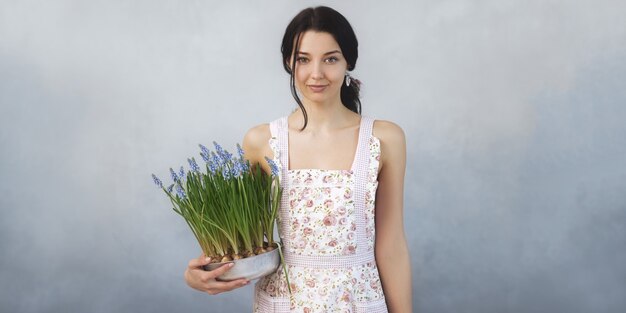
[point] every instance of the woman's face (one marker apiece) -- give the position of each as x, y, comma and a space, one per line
320, 67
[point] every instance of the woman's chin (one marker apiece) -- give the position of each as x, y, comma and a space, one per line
318, 97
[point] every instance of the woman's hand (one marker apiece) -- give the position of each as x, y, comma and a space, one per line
205, 281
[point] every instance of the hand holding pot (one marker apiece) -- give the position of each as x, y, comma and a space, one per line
201, 280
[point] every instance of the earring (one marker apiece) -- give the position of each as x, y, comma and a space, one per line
348, 79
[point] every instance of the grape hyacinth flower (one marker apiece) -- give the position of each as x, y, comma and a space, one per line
214, 164
157, 181
205, 157
181, 173
273, 166
237, 169
170, 188
240, 151
225, 155
174, 176
225, 172
244, 165
194, 166
180, 192
218, 148
204, 149
241, 159
204, 153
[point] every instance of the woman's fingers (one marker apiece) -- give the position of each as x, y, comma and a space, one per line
206, 281
222, 286
215, 286
220, 270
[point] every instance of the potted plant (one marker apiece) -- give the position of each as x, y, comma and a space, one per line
231, 209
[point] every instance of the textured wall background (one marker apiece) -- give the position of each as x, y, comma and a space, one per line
514, 113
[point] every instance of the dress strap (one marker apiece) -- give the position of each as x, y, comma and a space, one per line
274, 128
361, 171
279, 131
361, 160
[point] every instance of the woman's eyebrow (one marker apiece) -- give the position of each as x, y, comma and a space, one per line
327, 53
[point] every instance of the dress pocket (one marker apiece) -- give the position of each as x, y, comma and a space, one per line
264, 303
375, 306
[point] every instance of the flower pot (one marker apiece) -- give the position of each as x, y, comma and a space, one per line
249, 268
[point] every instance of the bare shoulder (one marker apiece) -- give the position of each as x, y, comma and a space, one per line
255, 143
257, 136
388, 132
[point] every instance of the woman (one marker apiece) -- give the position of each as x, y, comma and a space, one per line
343, 179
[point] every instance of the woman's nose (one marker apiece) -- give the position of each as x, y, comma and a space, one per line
317, 71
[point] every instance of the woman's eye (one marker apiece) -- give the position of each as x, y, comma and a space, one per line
302, 60
332, 60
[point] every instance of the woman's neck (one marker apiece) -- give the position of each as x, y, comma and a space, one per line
322, 117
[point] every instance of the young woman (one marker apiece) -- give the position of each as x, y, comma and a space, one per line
343, 178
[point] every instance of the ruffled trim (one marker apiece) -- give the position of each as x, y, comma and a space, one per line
370, 192
374, 149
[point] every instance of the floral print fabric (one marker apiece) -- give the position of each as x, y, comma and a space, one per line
322, 221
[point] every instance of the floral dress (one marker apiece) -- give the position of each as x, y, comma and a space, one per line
326, 222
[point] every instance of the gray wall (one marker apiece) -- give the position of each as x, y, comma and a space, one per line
514, 113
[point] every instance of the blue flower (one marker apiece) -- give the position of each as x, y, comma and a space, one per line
218, 148
272, 165
225, 172
180, 192
225, 155
194, 166
169, 189
204, 149
181, 173
157, 181
240, 151
244, 165
228, 157
217, 159
205, 157
173, 174
215, 163
237, 169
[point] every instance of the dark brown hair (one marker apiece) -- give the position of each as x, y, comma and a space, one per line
323, 19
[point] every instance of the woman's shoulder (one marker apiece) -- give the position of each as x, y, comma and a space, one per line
257, 136
255, 145
387, 131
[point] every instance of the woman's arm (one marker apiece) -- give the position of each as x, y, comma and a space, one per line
392, 254
255, 146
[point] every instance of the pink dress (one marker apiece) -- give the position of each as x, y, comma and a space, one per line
326, 221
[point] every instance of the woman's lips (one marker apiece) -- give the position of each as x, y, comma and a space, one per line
318, 88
